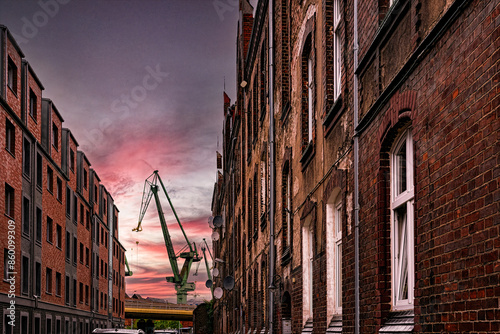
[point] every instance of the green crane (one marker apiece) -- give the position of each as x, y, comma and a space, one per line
209, 283
190, 255
128, 272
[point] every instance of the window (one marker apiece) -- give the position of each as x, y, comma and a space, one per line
308, 82
48, 281
50, 180
10, 137
25, 275
38, 324
58, 284
307, 271
26, 157
58, 236
287, 208
75, 249
402, 248
38, 224
26, 216
263, 187
75, 209
59, 189
68, 202
12, 76
74, 292
5, 264
24, 324
81, 293
67, 292
55, 136
58, 325
39, 169
336, 50
85, 178
9, 201
72, 159
48, 325
86, 294
68, 246
33, 105
87, 256
82, 214
81, 253
87, 219
49, 230
38, 279
333, 210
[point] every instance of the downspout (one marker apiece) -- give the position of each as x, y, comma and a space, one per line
271, 165
356, 175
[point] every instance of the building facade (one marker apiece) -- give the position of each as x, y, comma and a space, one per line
378, 171
63, 263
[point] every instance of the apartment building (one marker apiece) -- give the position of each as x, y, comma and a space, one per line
378, 171
63, 263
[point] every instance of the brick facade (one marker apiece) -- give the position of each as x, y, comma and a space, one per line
48, 202
427, 71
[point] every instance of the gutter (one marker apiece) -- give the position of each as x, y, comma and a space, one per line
272, 167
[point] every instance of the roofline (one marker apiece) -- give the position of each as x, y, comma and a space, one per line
33, 74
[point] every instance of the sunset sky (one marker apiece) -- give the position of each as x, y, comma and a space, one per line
140, 84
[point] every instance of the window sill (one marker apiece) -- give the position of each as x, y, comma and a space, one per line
307, 155
285, 113
12, 90
333, 116
13, 154
286, 257
33, 118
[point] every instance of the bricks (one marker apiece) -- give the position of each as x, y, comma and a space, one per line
45, 170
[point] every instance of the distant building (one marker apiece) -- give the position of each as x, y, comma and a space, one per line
60, 225
386, 169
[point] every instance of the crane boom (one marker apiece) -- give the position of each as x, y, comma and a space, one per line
151, 189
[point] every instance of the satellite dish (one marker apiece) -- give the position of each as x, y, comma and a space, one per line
218, 292
218, 221
215, 236
211, 222
209, 283
215, 272
228, 283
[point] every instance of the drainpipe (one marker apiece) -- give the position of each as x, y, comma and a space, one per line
356, 176
271, 165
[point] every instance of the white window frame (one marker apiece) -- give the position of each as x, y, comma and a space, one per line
337, 65
333, 213
310, 83
307, 271
402, 200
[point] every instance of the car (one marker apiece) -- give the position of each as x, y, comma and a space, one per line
118, 331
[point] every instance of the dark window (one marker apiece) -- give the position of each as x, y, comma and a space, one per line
25, 278
58, 325
49, 230
72, 159
75, 249
10, 137
82, 214
38, 279
38, 225
68, 246
75, 208
66, 297
58, 284
59, 189
5, 264
48, 281
58, 236
74, 294
12, 76
87, 216
33, 105
86, 294
55, 136
38, 325
49, 325
68, 202
81, 253
26, 216
9, 201
26, 157
87, 255
24, 324
39, 169
81, 293
50, 180
85, 178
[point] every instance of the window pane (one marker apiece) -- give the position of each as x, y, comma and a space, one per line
401, 169
401, 254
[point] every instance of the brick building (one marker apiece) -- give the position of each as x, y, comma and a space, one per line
380, 175
62, 248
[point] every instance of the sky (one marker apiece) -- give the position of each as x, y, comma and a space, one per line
140, 85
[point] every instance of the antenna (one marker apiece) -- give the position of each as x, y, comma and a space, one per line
218, 221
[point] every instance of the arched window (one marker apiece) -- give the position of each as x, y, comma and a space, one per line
333, 213
402, 246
